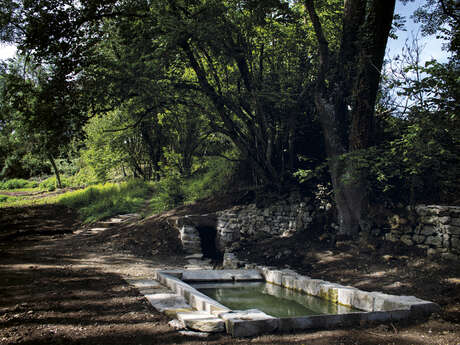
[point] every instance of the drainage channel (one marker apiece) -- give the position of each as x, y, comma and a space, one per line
175, 293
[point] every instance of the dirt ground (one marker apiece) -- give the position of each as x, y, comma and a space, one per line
61, 283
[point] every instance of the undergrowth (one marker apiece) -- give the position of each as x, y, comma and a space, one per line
105, 200
17, 183
173, 190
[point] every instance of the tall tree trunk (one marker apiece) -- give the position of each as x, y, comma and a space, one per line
56, 171
354, 85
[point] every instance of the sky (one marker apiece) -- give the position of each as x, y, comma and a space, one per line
432, 45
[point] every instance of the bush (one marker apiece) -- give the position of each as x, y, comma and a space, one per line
7, 198
105, 200
50, 183
17, 183
213, 179
169, 193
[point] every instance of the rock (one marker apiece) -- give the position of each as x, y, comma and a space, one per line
451, 229
407, 240
428, 230
434, 241
211, 325
202, 321
418, 239
176, 324
450, 256
455, 242
194, 334
194, 256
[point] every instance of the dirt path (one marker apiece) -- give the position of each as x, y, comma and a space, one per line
67, 288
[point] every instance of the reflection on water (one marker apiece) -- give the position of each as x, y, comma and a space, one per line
271, 299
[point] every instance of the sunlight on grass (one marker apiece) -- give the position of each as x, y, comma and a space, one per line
25, 201
105, 200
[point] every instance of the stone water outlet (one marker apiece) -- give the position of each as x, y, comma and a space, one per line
171, 293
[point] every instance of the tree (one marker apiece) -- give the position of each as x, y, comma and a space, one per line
40, 107
347, 85
242, 65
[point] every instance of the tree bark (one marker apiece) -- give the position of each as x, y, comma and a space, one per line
353, 84
56, 171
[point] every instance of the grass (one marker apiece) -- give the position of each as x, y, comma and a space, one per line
25, 201
17, 183
104, 200
92, 203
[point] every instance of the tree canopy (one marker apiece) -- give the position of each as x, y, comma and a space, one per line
275, 87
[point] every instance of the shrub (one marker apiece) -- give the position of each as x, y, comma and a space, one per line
213, 179
169, 193
50, 183
17, 183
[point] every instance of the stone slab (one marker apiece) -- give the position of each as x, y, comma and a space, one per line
201, 321
249, 328
194, 256
144, 283
164, 301
221, 275
194, 334
250, 314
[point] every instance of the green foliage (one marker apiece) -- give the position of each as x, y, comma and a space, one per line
7, 199
213, 179
104, 200
169, 193
17, 183
50, 184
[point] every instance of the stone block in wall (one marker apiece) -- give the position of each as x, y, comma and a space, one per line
450, 256
407, 240
428, 230
450, 229
423, 210
454, 211
446, 241
435, 241
433, 220
418, 239
392, 237
455, 242
422, 246
455, 221
435, 251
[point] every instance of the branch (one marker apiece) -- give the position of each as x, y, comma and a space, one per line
134, 125
323, 44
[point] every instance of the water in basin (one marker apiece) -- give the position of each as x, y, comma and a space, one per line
271, 299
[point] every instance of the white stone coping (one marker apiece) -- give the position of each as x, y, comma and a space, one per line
375, 306
347, 295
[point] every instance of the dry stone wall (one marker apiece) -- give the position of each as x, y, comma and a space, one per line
433, 227
282, 218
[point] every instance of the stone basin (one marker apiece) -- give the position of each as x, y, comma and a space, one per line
200, 312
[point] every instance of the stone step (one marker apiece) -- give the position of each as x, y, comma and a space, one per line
202, 321
97, 229
190, 237
192, 244
130, 216
142, 283
167, 302
197, 256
